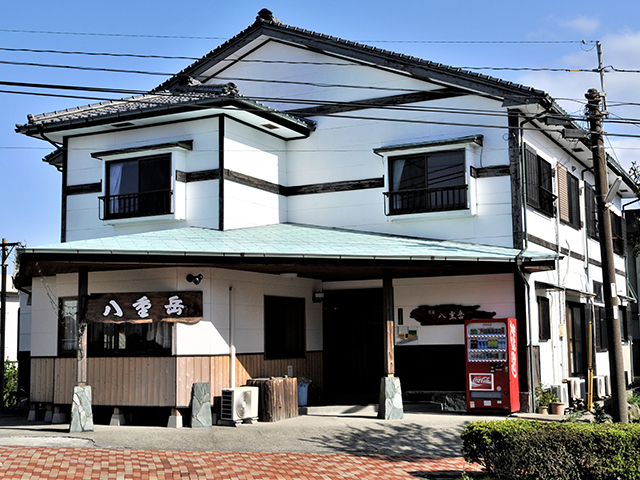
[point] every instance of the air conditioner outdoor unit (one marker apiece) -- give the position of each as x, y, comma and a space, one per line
577, 388
600, 386
562, 392
239, 404
607, 384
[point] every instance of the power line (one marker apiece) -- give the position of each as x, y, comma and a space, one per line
96, 54
280, 62
296, 101
94, 34
97, 69
188, 37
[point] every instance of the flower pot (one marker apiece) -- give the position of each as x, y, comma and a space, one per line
557, 408
543, 409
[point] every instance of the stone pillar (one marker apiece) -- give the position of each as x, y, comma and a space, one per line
81, 413
175, 420
117, 418
201, 405
32, 413
390, 407
58, 416
48, 414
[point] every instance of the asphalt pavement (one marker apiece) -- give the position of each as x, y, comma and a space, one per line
418, 434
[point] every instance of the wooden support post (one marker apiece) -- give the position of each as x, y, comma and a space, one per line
389, 343
83, 288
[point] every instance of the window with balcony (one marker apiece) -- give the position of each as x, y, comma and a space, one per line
427, 182
138, 187
539, 183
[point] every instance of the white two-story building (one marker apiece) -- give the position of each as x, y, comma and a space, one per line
314, 193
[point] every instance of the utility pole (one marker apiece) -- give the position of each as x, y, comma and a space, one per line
616, 363
3, 311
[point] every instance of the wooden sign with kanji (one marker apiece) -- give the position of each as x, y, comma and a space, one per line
145, 307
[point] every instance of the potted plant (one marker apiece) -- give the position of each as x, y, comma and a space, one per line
545, 398
557, 408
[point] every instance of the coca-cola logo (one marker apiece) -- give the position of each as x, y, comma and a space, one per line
513, 354
481, 381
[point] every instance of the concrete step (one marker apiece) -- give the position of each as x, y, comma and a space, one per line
334, 410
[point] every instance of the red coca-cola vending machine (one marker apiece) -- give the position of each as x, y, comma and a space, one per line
491, 348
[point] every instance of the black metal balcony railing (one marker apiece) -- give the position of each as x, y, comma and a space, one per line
428, 200
131, 205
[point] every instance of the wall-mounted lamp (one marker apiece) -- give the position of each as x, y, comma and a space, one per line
195, 279
318, 297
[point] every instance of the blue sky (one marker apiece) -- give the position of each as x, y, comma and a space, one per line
30, 189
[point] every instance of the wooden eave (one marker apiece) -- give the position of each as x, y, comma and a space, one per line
324, 269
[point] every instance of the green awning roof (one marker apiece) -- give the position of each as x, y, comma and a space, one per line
287, 240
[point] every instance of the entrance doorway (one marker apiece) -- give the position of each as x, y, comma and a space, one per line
353, 346
577, 339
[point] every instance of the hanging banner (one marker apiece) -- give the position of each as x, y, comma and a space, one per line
145, 307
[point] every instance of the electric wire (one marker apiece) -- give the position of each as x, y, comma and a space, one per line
187, 37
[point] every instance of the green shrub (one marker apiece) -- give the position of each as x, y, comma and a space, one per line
525, 450
10, 383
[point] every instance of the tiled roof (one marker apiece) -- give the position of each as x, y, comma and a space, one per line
176, 95
286, 241
179, 95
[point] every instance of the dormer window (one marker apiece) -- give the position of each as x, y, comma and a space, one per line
137, 187
427, 182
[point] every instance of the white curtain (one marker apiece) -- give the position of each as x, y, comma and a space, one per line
115, 180
396, 175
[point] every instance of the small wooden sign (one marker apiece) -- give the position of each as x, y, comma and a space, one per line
448, 314
145, 307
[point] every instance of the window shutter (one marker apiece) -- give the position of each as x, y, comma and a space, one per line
629, 325
592, 212
533, 180
563, 194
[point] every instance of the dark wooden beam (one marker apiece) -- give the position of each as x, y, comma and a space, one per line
84, 188
389, 101
185, 144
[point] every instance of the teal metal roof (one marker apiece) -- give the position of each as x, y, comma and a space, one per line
286, 241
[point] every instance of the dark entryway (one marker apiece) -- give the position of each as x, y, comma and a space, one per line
578, 344
353, 346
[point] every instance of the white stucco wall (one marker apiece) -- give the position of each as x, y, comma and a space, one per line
210, 336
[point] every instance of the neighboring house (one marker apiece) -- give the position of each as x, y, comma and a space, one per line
385, 182
11, 322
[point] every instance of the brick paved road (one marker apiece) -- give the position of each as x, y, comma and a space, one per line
96, 463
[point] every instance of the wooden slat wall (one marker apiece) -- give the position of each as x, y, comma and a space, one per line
191, 370
42, 380
133, 381
158, 381
65, 380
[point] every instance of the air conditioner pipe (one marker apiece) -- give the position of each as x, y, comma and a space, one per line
232, 334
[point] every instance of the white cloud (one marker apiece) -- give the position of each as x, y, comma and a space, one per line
622, 51
582, 24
